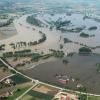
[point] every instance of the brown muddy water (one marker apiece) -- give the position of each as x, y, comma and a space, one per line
82, 68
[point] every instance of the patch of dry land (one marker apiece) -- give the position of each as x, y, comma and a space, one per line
4, 73
46, 89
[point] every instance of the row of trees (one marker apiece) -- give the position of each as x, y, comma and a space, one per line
85, 50
86, 35
57, 53
93, 28
75, 30
21, 53
32, 20
24, 44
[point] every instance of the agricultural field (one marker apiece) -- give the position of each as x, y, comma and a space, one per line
41, 92
93, 98
12, 85
19, 90
4, 71
46, 89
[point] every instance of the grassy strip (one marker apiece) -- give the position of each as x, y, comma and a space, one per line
40, 95
93, 98
19, 79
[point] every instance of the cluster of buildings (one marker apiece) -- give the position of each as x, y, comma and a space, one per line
6, 94
66, 96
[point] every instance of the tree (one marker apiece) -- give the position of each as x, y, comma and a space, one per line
85, 50
82, 97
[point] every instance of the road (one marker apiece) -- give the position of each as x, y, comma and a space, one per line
19, 98
39, 82
7, 77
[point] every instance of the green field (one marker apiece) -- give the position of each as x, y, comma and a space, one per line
39, 95
19, 79
2, 65
17, 94
93, 98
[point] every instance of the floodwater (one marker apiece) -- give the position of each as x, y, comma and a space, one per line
26, 33
78, 21
7, 31
79, 67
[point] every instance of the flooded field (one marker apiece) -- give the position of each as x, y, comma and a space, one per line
81, 69
7, 31
54, 37
77, 20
